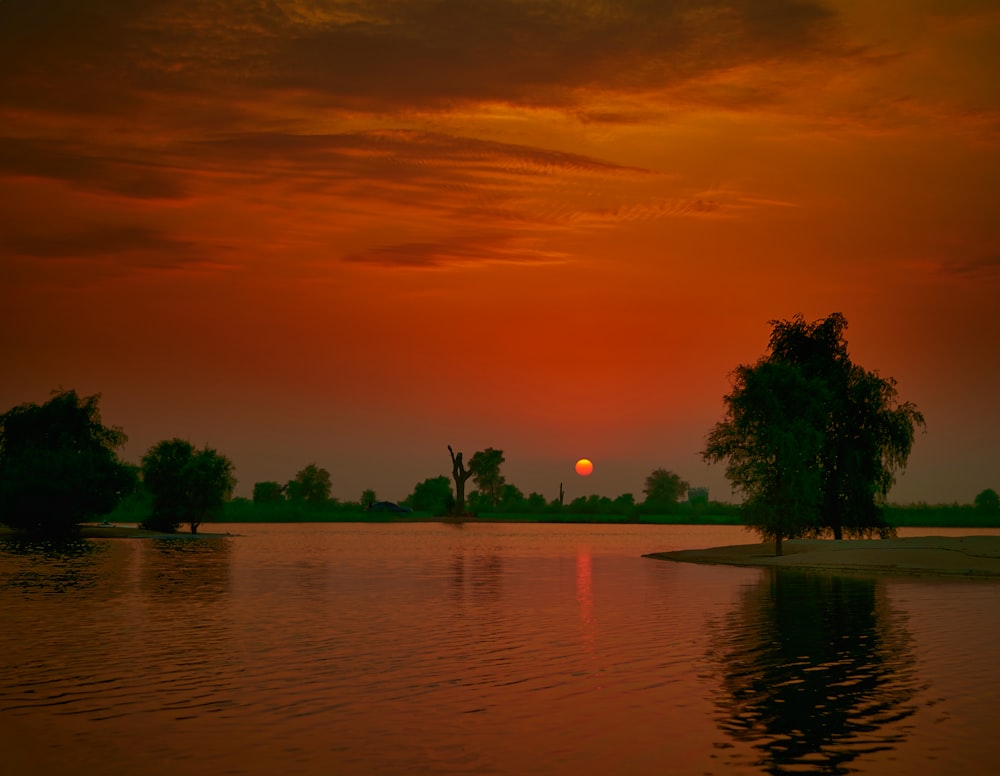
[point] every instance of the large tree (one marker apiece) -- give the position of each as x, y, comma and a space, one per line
771, 440
485, 466
187, 485
863, 435
59, 466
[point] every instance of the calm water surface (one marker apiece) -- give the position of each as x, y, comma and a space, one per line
482, 649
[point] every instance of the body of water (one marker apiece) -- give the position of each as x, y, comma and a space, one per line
482, 649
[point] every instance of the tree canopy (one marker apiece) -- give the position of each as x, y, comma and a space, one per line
311, 484
186, 484
432, 495
485, 467
59, 466
663, 489
811, 439
987, 502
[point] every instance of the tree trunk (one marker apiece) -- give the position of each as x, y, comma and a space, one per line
777, 545
460, 474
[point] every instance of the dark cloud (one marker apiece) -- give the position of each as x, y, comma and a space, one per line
383, 55
987, 266
124, 247
63, 162
539, 53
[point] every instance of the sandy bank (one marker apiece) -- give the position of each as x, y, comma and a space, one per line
975, 556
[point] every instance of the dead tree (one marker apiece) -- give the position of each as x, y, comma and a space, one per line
460, 474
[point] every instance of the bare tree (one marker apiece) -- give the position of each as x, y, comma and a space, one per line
460, 474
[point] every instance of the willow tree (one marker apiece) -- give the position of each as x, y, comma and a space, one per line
59, 465
771, 440
859, 434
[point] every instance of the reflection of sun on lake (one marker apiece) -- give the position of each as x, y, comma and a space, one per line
429, 647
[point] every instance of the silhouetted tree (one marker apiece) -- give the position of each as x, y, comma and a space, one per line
59, 466
536, 503
771, 440
268, 493
368, 498
432, 495
186, 484
988, 502
868, 434
311, 485
663, 490
460, 474
485, 468
625, 504
839, 437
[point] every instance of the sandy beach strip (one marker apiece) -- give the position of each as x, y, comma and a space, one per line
962, 556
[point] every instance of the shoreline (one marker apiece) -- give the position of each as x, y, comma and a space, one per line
954, 556
126, 531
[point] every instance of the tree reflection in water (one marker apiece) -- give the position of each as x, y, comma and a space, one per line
816, 670
46, 566
186, 568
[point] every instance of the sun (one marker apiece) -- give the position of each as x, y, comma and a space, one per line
584, 467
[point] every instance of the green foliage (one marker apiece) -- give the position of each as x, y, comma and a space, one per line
485, 467
268, 492
811, 439
368, 498
923, 515
59, 466
663, 489
988, 502
311, 485
867, 433
771, 439
433, 495
186, 485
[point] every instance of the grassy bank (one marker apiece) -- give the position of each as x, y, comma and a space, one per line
712, 513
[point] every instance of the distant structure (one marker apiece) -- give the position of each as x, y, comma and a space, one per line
697, 495
388, 506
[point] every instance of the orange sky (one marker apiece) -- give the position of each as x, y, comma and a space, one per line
352, 233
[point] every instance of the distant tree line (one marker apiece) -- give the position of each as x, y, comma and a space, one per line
811, 440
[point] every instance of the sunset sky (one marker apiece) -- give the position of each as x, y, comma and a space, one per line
353, 233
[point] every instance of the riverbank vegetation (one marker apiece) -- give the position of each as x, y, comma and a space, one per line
59, 469
592, 509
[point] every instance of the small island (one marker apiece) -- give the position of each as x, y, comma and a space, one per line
963, 556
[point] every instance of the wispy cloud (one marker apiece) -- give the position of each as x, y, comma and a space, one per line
978, 267
65, 161
114, 250
458, 251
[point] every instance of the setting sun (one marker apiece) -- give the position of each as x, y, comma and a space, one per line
584, 467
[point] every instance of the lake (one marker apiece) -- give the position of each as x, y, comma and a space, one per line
435, 648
